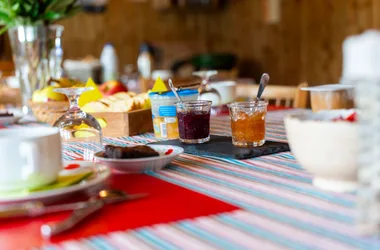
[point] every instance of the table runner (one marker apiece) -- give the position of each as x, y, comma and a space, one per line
279, 208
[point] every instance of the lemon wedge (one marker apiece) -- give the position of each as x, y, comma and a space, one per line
102, 122
83, 134
90, 96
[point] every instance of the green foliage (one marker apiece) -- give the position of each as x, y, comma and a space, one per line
29, 12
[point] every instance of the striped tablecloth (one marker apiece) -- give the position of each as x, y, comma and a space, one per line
279, 206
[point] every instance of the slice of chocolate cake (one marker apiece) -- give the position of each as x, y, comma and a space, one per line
6, 114
116, 152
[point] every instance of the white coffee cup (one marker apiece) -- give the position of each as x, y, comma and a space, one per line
226, 89
30, 157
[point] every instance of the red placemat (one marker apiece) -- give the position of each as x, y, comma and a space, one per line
166, 202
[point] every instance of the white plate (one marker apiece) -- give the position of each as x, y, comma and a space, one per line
100, 174
140, 165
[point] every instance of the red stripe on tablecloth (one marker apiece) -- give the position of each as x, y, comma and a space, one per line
166, 202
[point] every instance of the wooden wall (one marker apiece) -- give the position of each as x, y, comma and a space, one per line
304, 46
127, 24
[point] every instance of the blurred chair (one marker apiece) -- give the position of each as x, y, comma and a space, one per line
288, 96
7, 68
8, 95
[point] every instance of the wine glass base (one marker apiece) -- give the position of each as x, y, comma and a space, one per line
195, 141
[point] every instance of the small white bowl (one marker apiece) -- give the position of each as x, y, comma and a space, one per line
326, 148
140, 165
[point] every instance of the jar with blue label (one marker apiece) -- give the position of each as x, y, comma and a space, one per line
164, 115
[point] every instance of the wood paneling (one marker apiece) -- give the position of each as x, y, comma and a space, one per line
127, 24
305, 45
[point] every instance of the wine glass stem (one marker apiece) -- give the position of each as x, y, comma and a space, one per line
204, 81
74, 106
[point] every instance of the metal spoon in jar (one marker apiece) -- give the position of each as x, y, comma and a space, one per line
175, 93
263, 83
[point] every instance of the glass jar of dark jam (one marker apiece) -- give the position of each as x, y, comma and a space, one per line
194, 121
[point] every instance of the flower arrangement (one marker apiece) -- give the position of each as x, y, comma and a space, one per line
31, 12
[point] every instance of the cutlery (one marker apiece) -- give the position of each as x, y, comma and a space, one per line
263, 83
112, 196
37, 208
174, 91
176, 94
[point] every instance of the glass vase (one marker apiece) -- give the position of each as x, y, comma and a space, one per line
37, 55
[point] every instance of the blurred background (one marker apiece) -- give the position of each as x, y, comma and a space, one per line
292, 40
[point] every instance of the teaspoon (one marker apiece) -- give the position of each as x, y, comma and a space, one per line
263, 83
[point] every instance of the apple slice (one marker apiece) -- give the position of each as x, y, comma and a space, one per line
122, 105
95, 107
122, 96
139, 102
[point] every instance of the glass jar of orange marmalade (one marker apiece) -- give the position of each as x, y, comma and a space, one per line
248, 123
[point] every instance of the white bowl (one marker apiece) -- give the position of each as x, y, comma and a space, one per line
325, 148
226, 89
140, 165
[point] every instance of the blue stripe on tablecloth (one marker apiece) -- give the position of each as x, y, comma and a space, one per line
354, 241
288, 164
267, 196
100, 243
315, 193
262, 233
286, 156
149, 237
49, 248
207, 236
259, 169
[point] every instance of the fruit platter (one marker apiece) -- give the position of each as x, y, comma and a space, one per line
110, 103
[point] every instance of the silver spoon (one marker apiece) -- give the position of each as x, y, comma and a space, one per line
94, 204
176, 94
263, 83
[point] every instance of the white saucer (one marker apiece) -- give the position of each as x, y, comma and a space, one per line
140, 165
100, 173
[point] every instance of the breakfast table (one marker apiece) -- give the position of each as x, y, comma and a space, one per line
208, 202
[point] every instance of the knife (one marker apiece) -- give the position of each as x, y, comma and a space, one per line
54, 228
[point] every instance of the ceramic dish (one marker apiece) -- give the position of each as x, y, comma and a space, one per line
331, 96
140, 165
100, 174
324, 147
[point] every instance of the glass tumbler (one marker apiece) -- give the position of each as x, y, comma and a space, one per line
194, 121
248, 123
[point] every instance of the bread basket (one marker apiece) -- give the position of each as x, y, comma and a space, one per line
48, 112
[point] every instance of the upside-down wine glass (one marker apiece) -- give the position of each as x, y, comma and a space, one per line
206, 92
79, 131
